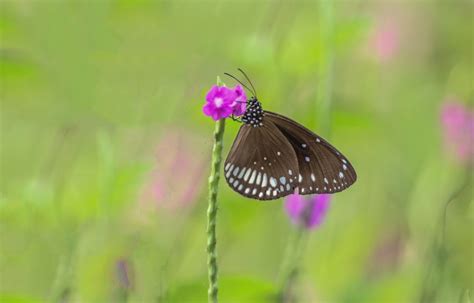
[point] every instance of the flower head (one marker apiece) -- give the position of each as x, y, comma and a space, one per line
458, 130
386, 41
307, 212
174, 183
240, 103
221, 102
124, 273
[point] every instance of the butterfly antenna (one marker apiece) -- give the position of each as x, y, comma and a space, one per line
227, 74
248, 79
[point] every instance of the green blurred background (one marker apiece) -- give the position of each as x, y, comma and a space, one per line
105, 151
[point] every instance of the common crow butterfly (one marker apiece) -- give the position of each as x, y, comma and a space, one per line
274, 156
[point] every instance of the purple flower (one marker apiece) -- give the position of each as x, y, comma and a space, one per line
458, 130
221, 102
240, 103
307, 212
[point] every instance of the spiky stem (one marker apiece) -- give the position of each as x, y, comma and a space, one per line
212, 209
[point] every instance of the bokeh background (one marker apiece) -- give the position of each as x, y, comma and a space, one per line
105, 152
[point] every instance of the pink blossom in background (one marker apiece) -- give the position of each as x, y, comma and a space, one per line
458, 130
307, 212
124, 273
385, 41
386, 254
178, 174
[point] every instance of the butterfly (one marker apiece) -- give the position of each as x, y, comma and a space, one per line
274, 156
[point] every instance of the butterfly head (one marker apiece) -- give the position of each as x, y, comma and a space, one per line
254, 113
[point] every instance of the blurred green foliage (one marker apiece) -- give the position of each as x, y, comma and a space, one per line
105, 151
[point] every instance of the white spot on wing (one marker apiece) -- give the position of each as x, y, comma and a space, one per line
303, 145
344, 161
290, 172
278, 153
326, 180
227, 175
283, 180
247, 174
254, 191
341, 175
344, 166
227, 166
252, 178
260, 194
264, 181
259, 177
242, 173
313, 178
273, 182
236, 171
247, 190
306, 159
300, 178
318, 140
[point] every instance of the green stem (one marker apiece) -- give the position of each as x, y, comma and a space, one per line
434, 275
289, 269
296, 246
212, 210
325, 70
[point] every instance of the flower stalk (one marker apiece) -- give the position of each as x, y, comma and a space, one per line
289, 269
212, 267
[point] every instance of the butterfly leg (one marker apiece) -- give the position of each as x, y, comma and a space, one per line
235, 119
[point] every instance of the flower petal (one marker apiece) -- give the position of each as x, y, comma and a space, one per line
211, 94
294, 206
208, 109
240, 104
319, 208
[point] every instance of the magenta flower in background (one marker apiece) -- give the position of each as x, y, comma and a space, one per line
458, 130
221, 102
386, 41
177, 177
307, 212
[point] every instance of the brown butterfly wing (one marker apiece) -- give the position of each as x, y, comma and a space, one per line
262, 163
322, 168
